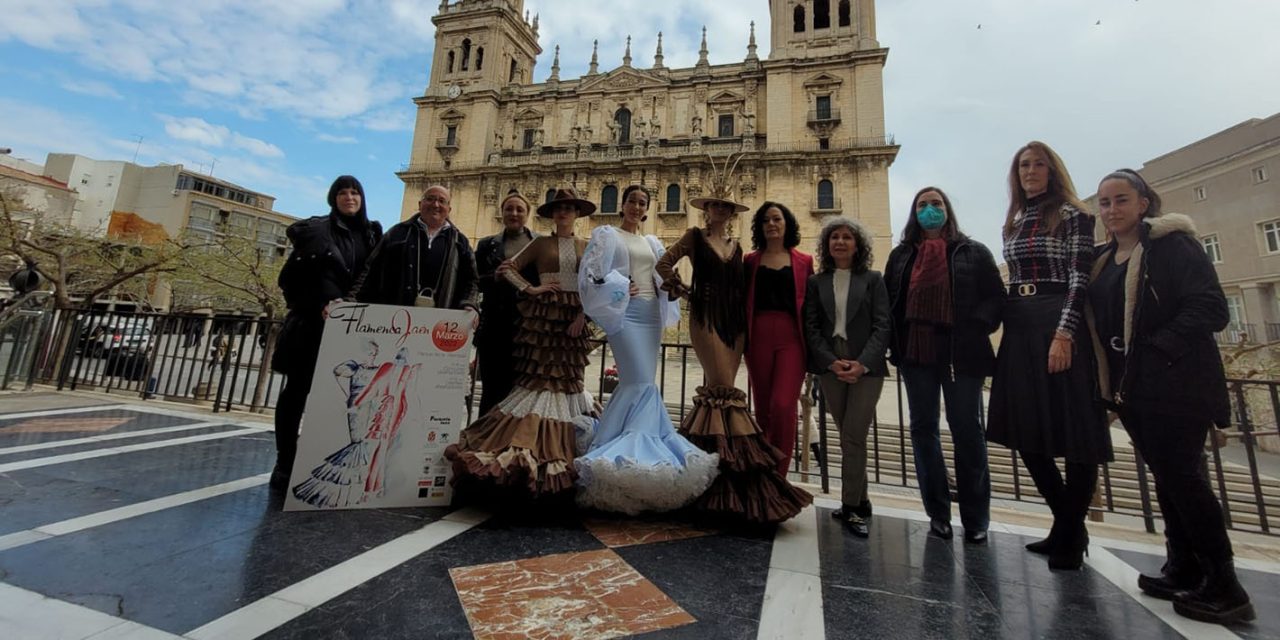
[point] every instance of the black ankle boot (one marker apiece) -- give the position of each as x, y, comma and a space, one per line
1045, 546
1181, 572
1070, 549
1219, 599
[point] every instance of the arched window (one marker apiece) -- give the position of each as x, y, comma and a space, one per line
609, 199
479, 58
821, 14
511, 77
826, 195
466, 54
623, 118
551, 193
673, 198
799, 20
449, 69
844, 13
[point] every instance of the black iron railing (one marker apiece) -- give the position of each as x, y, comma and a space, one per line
218, 361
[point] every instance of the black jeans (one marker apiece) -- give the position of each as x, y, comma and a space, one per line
1173, 448
289, 408
973, 478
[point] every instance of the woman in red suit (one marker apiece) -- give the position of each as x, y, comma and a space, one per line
776, 275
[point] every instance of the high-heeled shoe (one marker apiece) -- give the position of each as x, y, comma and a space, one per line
1071, 551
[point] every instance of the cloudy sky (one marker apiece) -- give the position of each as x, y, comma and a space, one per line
283, 95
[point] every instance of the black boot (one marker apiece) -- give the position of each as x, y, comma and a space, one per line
1219, 599
1072, 545
1070, 548
1043, 547
1181, 572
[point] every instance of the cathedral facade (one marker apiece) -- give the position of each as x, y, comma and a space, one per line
805, 123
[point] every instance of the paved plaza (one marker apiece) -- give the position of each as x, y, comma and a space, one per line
148, 520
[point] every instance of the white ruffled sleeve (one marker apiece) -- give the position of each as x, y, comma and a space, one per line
604, 291
670, 308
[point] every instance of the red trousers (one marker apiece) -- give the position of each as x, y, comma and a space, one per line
775, 362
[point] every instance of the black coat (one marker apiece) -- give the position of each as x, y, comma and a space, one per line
391, 276
1174, 304
977, 296
867, 322
498, 297
315, 274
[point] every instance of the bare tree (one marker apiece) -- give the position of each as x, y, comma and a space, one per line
80, 266
235, 270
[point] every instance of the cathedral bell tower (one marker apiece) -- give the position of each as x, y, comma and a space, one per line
816, 28
482, 45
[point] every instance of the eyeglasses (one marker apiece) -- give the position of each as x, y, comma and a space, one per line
435, 200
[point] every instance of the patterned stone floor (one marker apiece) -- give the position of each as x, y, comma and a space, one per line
143, 522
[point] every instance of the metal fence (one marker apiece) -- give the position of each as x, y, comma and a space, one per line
218, 361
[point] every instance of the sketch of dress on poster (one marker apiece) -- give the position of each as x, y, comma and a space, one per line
378, 399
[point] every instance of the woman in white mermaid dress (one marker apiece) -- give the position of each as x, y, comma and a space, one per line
637, 461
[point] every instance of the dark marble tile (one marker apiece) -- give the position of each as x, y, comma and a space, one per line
713, 578
1263, 588
92, 446
29, 499
104, 554
22, 431
868, 613
168, 470
902, 583
180, 592
417, 599
899, 558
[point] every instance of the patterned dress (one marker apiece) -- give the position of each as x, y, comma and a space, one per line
529, 440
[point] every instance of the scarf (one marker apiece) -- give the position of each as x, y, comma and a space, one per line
928, 302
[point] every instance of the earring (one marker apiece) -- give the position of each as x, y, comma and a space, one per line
644, 218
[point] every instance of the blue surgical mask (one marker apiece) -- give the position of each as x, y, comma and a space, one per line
931, 218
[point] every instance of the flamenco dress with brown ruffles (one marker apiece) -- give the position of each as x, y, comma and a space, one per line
749, 486
528, 441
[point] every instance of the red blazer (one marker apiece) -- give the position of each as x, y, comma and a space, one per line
801, 269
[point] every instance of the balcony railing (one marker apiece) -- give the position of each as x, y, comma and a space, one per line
1238, 333
1273, 331
447, 143
817, 116
552, 155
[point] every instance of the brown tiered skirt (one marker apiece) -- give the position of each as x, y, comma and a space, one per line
528, 441
749, 485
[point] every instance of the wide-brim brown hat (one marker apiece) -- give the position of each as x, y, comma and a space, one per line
701, 203
567, 195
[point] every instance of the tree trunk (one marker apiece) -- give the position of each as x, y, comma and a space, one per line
264, 367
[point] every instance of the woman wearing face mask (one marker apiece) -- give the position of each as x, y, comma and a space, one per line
946, 294
776, 273
329, 252
637, 462
528, 440
749, 487
1154, 304
847, 326
1043, 404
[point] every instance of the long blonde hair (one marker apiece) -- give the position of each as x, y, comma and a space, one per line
1061, 190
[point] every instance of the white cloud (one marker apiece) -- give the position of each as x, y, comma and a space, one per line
210, 135
94, 88
327, 137
328, 59
34, 131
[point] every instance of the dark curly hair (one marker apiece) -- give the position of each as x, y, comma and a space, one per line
861, 259
790, 237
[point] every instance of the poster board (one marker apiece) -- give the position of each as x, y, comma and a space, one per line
387, 397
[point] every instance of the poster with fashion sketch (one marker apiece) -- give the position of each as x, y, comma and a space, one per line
386, 400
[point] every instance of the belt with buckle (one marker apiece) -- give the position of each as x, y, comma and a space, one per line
1027, 289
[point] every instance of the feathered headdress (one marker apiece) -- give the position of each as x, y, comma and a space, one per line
720, 184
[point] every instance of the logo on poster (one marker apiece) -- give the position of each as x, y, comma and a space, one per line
448, 337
